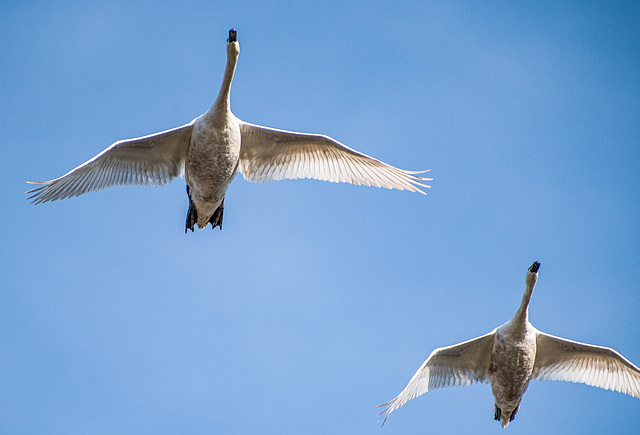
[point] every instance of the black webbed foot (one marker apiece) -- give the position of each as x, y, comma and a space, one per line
216, 217
192, 214
513, 414
497, 412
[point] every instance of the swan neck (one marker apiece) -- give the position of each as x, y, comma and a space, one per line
223, 100
522, 315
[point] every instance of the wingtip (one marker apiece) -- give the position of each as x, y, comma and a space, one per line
419, 181
37, 192
418, 172
383, 414
35, 197
415, 188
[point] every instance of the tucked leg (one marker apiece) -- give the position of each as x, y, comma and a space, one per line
497, 412
216, 217
513, 414
192, 214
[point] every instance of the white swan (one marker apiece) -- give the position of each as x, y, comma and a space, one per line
512, 355
210, 150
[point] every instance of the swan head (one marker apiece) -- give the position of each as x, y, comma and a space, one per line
233, 35
532, 274
233, 48
534, 267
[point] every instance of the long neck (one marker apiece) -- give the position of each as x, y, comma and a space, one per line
522, 315
223, 100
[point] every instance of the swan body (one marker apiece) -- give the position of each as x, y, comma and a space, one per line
214, 153
512, 355
210, 150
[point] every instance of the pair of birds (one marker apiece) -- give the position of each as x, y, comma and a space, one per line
210, 150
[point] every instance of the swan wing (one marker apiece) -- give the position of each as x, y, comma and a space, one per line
559, 359
269, 154
458, 365
149, 161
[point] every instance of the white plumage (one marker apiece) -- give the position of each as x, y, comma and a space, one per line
514, 354
211, 149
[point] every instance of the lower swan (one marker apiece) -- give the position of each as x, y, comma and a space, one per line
512, 355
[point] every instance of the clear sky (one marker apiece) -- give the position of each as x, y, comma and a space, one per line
317, 301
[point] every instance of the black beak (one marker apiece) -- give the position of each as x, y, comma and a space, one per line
233, 35
534, 267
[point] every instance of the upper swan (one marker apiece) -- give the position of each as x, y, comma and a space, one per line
210, 150
514, 354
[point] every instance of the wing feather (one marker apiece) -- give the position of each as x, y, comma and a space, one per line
270, 154
461, 364
149, 160
559, 359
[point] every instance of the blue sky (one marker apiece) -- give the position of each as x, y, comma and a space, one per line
317, 301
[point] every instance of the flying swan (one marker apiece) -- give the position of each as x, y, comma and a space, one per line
210, 150
510, 356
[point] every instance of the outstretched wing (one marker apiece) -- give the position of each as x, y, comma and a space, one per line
458, 365
149, 161
559, 359
269, 154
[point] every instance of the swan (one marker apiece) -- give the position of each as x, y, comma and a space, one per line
210, 150
512, 355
